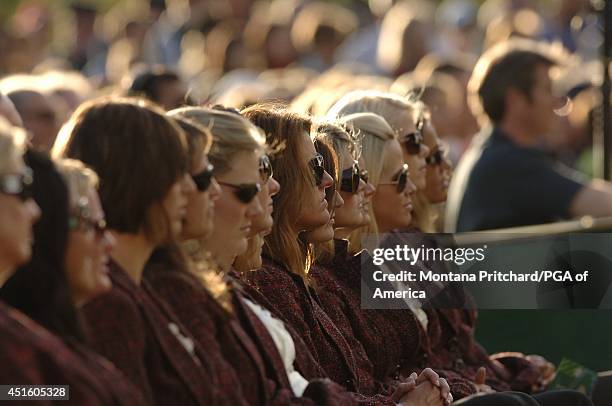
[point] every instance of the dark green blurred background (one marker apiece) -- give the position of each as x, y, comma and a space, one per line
584, 336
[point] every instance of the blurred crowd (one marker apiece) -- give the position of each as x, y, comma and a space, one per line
307, 53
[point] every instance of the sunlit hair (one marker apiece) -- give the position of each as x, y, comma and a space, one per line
199, 138
390, 106
297, 182
138, 153
344, 143
231, 133
80, 181
374, 133
12, 144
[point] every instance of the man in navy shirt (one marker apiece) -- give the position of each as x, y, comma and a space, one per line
504, 180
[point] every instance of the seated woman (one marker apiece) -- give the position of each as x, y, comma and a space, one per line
68, 268
31, 354
141, 159
211, 306
287, 255
437, 341
406, 120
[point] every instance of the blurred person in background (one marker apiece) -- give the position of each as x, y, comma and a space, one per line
405, 37
317, 32
89, 51
504, 179
160, 85
38, 115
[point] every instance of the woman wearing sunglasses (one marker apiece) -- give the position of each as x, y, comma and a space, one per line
403, 117
68, 269
401, 351
31, 355
195, 288
211, 306
437, 175
283, 283
140, 157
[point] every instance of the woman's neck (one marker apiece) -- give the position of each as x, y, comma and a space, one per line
132, 253
343, 233
223, 261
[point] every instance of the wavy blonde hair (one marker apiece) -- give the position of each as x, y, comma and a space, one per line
231, 133
392, 107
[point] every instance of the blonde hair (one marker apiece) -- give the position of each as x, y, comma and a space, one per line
340, 138
12, 143
375, 132
231, 132
80, 180
389, 106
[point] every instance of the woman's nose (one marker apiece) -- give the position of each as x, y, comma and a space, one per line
188, 185
424, 151
255, 209
273, 187
214, 190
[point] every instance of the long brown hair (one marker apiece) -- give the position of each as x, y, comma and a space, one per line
291, 170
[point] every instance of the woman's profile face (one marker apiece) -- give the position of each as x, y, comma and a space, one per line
438, 168
200, 208
350, 214
269, 187
16, 217
368, 192
405, 128
314, 211
88, 253
393, 207
233, 219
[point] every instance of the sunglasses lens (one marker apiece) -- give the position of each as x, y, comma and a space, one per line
412, 146
202, 180
401, 182
246, 193
318, 174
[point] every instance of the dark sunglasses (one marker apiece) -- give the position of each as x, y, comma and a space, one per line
316, 164
203, 179
412, 141
245, 192
17, 184
400, 179
350, 179
265, 168
435, 158
83, 223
